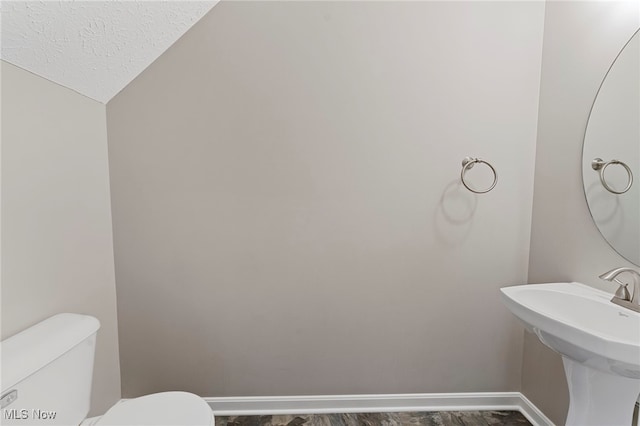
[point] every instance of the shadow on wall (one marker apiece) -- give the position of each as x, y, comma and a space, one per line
453, 219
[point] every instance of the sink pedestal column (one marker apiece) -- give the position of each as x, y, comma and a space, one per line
598, 398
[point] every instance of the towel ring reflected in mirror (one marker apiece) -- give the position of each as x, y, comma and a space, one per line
599, 165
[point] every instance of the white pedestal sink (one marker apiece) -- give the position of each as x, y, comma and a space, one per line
599, 343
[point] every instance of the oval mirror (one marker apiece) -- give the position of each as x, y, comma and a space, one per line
611, 154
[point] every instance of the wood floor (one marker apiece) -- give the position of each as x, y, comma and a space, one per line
438, 418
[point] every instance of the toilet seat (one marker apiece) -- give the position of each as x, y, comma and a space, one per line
160, 409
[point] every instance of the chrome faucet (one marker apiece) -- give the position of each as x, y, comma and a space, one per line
622, 296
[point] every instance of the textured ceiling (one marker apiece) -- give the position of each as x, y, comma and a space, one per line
93, 47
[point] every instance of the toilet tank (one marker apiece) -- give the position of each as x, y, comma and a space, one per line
47, 371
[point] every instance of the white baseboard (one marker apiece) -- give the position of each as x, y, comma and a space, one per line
513, 401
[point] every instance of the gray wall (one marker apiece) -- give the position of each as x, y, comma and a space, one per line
57, 250
288, 215
581, 39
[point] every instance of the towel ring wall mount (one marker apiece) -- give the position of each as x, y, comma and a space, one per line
467, 164
599, 165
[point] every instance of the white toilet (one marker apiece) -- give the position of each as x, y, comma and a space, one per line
46, 380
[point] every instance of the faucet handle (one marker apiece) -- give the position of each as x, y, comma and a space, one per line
623, 291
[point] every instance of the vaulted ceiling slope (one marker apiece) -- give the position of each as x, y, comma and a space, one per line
93, 47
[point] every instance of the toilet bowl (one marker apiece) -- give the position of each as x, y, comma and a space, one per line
48, 369
158, 409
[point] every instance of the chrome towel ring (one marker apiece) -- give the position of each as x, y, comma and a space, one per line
467, 164
600, 166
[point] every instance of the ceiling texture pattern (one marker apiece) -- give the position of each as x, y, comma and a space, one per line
93, 47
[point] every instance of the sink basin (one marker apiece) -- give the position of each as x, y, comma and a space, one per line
580, 322
599, 343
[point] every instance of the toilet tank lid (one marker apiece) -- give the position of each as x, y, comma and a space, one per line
28, 351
